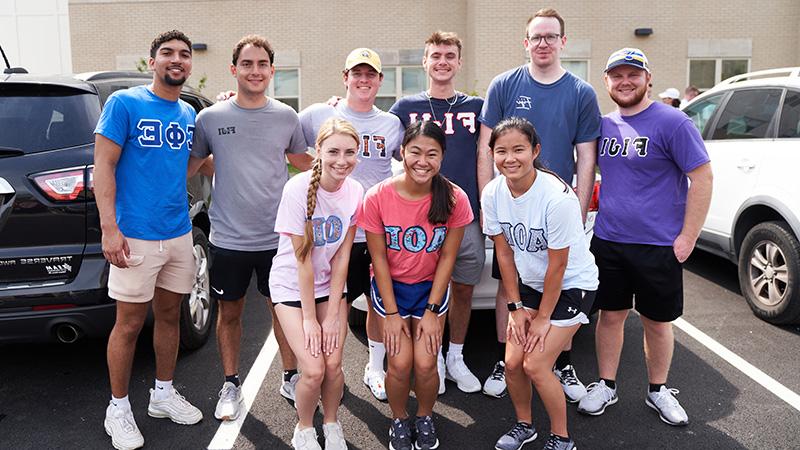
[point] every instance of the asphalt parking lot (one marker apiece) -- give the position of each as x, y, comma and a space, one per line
739, 379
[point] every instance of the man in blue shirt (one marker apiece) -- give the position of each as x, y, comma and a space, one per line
142, 146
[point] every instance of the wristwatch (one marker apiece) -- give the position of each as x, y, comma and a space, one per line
433, 307
513, 306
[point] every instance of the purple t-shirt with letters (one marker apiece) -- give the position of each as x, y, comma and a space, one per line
644, 159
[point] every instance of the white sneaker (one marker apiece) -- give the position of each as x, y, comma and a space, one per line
288, 388
495, 385
457, 370
305, 439
440, 368
334, 436
574, 390
669, 410
230, 401
175, 407
375, 380
121, 426
597, 399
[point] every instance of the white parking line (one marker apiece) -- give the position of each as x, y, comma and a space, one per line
781, 391
228, 431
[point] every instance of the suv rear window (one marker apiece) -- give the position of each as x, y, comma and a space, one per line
36, 118
748, 114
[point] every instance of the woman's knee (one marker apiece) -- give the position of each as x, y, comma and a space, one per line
425, 365
400, 367
536, 370
333, 367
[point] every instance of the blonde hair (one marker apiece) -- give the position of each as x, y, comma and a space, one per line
329, 128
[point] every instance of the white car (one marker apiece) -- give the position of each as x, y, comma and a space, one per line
751, 127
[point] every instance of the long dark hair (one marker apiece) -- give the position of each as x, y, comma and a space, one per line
528, 130
443, 200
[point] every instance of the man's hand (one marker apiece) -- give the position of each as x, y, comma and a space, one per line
225, 95
683, 247
115, 248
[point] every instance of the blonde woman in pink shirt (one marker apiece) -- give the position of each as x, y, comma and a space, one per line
317, 222
414, 224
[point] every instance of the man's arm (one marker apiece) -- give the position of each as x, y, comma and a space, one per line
302, 161
586, 153
485, 169
697, 201
203, 165
106, 156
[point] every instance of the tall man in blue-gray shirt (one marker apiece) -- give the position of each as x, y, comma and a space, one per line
564, 110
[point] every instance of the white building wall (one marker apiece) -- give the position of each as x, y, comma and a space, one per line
35, 35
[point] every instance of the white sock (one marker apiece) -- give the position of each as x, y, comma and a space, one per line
454, 350
163, 389
377, 352
121, 402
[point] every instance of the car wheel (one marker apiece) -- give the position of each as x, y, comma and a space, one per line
769, 272
357, 318
197, 307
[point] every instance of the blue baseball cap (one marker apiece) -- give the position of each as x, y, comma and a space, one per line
628, 56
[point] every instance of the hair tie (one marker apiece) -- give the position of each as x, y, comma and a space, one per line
308, 218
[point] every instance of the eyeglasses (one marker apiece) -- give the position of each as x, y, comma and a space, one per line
549, 39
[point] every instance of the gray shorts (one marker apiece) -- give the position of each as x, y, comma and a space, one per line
471, 255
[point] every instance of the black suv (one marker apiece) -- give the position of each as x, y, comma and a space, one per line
52, 272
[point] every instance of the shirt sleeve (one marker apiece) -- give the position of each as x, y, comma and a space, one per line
492, 110
200, 147
114, 120
687, 147
398, 110
291, 216
491, 225
396, 144
369, 218
462, 212
561, 218
306, 117
588, 118
298, 142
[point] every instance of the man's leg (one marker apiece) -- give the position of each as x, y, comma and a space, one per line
659, 343
495, 384
229, 334
609, 337
122, 345
166, 333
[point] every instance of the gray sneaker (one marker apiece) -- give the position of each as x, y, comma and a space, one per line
554, 443
400, 435
667, 405
598, 398
519, 435
426, 434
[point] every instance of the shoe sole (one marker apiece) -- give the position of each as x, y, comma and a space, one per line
287, 396
448, 377
373, 394
501, 395
530, 439
436, 445
661, 416
570, 399
601, 410
115, 444
160, 415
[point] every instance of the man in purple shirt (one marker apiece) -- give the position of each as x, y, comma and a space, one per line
645, 229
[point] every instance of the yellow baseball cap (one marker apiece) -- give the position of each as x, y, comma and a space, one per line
363, 56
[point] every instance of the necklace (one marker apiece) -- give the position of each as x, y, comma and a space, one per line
447, 100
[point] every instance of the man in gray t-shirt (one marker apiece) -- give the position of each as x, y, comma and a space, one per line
249, 139
381, 135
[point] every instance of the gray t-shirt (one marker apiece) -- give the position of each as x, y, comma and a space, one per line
249, 147
381, 131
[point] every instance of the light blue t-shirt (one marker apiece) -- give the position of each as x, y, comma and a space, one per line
156, 137
565, 113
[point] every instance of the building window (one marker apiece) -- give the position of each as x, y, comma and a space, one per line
400, 81
577, 67
285, 87
705, 73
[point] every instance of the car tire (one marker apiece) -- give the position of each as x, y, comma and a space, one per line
357, 318
769, 272
197, 308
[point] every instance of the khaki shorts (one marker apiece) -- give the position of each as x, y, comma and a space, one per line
167, 264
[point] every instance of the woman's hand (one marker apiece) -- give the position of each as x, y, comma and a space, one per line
312, 334
430, 332
537, 333
330, 333
393, 326
518, 326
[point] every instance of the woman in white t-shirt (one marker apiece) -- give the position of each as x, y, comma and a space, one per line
317, 222
534, 219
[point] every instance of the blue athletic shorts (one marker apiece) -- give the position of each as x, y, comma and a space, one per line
411, 298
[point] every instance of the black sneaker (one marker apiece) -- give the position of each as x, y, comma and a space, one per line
426, 434
554, 443
400, 435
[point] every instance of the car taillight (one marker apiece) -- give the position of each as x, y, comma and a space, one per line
62, 185
594, 203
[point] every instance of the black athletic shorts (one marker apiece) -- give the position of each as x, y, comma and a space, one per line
231, 271
298, 304
358, 279
495, 267
650, 274
570, 303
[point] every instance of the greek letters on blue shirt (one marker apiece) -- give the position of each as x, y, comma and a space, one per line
155, 136
414, 239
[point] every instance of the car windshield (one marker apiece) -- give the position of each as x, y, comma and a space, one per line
35, 118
